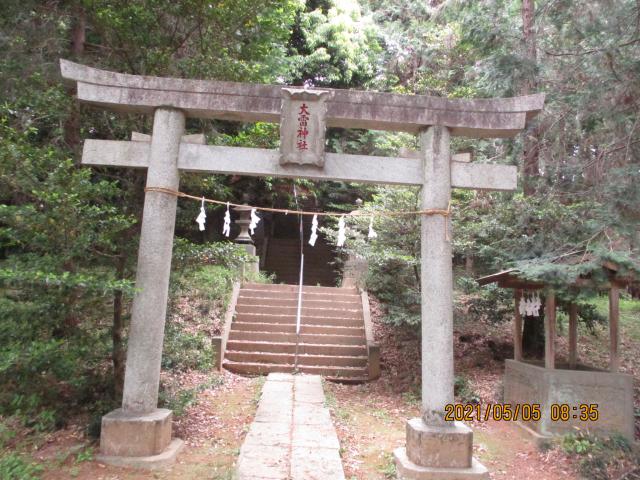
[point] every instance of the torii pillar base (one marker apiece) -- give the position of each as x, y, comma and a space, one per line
438, 453
138, 440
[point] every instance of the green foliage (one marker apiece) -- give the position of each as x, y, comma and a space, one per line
489, 303
463, 390
188, 255
17, 467
53, 294
388, 469
7, 433
203, 285
597, 454
337, 46
237, 40
85, 455
179, 399
393, 257
579, 443
184, 350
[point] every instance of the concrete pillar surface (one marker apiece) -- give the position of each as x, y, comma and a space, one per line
437, 449
144, 353
436, 277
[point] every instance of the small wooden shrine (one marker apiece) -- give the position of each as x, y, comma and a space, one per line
561, 389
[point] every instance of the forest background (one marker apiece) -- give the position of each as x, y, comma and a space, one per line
68, 235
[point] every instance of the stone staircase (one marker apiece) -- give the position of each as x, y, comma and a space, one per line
333, 340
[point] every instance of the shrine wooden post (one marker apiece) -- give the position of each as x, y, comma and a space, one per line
139, 434
517, 326
614, 327
573, 335
550, 330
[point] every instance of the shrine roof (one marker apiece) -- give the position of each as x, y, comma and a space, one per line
245, 102
582, 270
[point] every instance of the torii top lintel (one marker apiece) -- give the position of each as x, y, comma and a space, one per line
246, 102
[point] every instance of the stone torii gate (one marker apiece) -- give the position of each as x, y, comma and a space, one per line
139, 433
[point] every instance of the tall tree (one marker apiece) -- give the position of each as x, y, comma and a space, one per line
530, 151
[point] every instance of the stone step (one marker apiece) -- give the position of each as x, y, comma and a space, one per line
351, 373
293, 276
290, 337
273, 287
290, 327
293, 295
289, 358
255, 368
292, 301
354, 313
304, 320
303, 348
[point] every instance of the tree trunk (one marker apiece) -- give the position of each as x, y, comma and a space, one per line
533, 329
78, 33
117, 335
72, 122
469, 264
531, 152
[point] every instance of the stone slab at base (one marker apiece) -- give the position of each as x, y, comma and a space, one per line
152, 462
126, 434
449, 446
407, 470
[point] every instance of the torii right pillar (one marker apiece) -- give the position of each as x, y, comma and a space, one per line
436, 448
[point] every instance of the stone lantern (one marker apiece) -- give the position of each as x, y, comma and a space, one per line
244, 238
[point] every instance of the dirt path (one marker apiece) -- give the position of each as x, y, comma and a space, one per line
213, 429
370, 420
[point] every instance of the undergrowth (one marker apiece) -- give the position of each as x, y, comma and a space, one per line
18, 467
598, 455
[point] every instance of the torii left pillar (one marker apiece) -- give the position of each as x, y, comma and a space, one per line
139, 433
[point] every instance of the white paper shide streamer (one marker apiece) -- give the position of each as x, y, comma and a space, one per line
226, 228
254, 221
202, 217
522, 308
314, 231
341, 232
530, 306
372, 232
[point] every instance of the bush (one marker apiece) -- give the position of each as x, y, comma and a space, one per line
579, 443
15, 467
180, 399
463, 390
597, 454
189, 255
184, 350
199, 297
489, 303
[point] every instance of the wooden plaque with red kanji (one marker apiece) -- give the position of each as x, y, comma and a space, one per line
302, 127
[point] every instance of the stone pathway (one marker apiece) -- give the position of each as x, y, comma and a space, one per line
292, 437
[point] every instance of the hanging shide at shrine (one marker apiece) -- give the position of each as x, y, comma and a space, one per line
357, 213
255, 219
